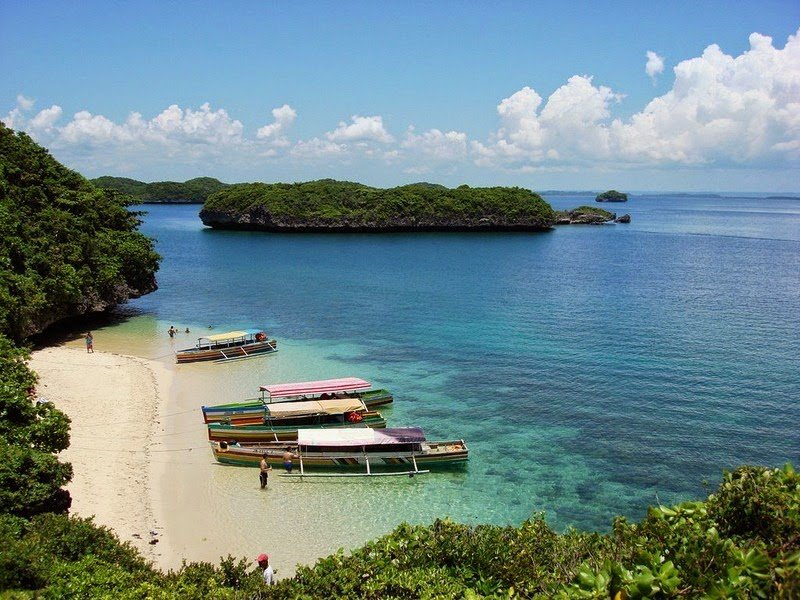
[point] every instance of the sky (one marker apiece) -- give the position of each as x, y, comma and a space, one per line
650, 96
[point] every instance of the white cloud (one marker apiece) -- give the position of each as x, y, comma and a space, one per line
568, 126
284, 117
655, 65
435, 144
46, 118
24, 103
361, 129
316, 148
721, 110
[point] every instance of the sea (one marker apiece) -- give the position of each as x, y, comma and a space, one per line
593, 371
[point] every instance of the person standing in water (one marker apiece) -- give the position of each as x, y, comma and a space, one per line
89, 342
265, 469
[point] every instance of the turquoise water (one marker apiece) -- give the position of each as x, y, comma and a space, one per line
592, 370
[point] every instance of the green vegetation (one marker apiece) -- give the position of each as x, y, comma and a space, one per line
193, 191
337, 204
66, 247
612, 196
742, 542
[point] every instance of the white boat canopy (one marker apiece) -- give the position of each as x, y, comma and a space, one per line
309, 388
231, 335
360, 436
313, 407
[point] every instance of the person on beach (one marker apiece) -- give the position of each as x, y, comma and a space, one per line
265, 469
269, 575
89, 342
287, 459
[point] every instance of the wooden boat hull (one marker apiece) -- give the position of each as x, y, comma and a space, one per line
438, 454
254, 434
251, 412
227, 353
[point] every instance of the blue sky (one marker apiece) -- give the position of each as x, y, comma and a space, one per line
537, 94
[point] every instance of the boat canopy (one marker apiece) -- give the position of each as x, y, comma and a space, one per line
231, 335
360, 436
308, 388
312, 407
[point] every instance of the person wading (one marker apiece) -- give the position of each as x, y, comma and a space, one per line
265, 469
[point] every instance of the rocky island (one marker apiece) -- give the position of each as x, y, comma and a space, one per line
612, 196
338, 206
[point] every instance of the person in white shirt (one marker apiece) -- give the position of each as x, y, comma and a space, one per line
263, 562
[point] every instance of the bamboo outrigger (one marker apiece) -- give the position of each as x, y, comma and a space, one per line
369, 450
231, 345
252, 411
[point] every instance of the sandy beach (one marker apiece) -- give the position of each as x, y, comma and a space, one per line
142, 464
113, 402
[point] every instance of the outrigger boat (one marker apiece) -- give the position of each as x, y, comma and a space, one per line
371, 451
252, 411
282, 420
228, 346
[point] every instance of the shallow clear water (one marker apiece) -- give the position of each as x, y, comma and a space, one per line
592, 370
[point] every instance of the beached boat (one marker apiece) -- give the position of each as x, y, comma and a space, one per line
251, 411
282, 420
366, 451
229, 346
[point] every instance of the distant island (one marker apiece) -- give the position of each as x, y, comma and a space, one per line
193, 191
338, 206
588, 215
612, 196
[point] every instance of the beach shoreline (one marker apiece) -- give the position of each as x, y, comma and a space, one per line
114, 402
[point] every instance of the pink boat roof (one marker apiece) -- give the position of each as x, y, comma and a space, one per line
309, 388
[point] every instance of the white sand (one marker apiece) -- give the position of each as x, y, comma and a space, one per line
112, 401
142, 462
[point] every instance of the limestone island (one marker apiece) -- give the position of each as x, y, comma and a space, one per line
337, 206
611, 196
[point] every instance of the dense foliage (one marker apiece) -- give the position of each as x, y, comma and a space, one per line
612, 196
335, 203
66, 247
192, 191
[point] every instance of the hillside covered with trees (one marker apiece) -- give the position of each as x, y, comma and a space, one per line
193, 191
66, 247
328, 205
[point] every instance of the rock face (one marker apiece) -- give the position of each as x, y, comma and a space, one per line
584, 215
611, 196
623, 219
259, 219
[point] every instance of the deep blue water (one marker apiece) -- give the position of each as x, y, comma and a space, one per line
592, 370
